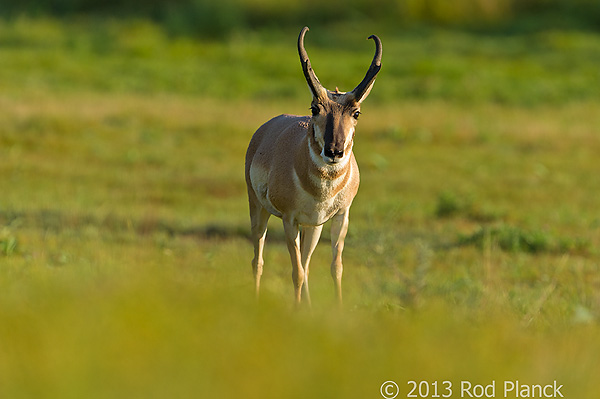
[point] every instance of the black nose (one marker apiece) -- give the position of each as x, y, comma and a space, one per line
333, 153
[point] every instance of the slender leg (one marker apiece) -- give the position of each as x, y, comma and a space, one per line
339, 228
308, 241
292, 235
259, 217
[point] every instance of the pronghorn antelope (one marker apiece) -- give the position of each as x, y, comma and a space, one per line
301, 169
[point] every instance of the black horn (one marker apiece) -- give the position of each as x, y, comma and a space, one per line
313, 82
362, 90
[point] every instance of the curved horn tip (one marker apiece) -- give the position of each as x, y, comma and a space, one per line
377, 41
301, 40
303, 31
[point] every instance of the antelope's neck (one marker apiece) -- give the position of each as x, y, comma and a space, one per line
316, 177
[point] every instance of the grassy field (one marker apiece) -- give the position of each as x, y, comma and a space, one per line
473, 252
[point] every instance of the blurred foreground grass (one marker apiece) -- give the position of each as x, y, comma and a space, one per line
124, 259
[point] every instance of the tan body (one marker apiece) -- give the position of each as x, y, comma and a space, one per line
302, 169
301, 189
296, 183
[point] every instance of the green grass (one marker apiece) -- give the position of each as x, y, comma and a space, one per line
124, 251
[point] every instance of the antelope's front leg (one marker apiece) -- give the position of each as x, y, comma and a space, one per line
292, 235
308, 241
339, 228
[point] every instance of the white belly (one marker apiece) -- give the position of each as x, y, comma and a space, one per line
306, 208
314, 211
260, 184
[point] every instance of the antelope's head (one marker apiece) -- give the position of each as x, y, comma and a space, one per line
335, 114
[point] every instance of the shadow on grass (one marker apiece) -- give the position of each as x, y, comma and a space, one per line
57, 221
49, 220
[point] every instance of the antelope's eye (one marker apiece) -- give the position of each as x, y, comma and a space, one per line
315, 110
356, 114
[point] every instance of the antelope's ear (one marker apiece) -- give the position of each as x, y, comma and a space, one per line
364, 87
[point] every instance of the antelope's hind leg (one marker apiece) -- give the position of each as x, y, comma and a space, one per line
259, 217
308, 241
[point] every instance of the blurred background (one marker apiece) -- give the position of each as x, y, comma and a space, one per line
506, 51
205, 18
